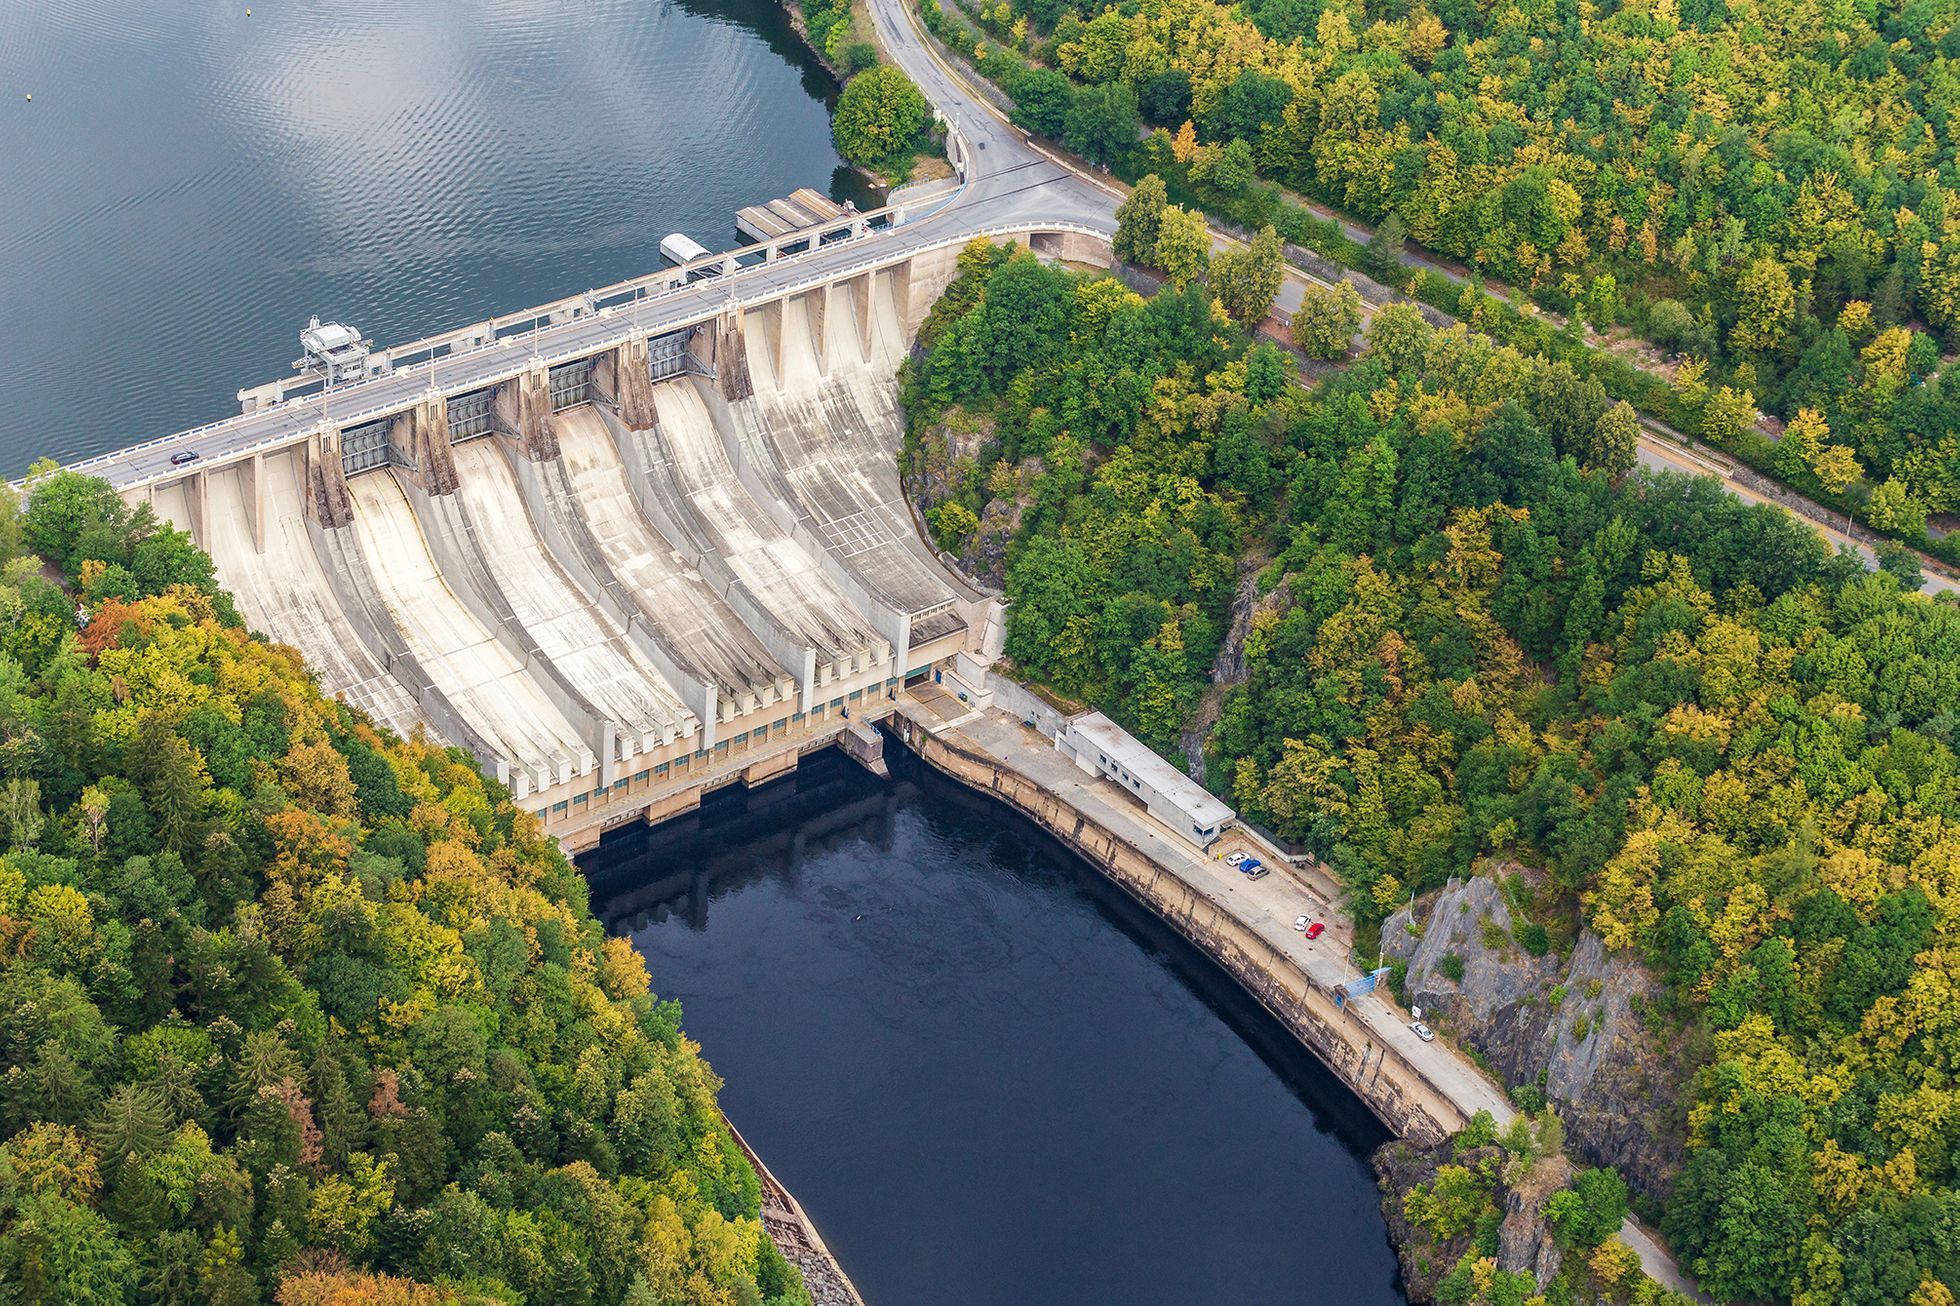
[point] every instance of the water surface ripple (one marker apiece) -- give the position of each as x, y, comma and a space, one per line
188, 184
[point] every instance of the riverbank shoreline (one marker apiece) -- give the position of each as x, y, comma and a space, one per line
929, 165
796, 1236
1252, 941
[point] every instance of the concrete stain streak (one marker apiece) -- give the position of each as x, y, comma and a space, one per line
586, 646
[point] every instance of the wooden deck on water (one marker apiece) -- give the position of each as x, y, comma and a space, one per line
803, 209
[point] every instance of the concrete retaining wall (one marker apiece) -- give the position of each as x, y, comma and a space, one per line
1399, 1094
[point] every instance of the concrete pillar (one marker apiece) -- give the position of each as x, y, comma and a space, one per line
719, 347
196, 495
327, 501
780, 313
521, 409
623, 377
864, 298
901, 275
422, 433
254, 474
902, 648
817, 310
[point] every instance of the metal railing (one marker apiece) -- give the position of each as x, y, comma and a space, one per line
884, 257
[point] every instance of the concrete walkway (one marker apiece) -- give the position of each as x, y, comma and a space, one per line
1268, 906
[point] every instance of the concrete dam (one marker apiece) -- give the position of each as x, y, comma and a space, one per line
621, 578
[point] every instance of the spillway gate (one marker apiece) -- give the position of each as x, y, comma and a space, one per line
469, 415
571, 384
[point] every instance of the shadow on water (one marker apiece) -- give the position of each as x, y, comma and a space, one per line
771, 22
767, 880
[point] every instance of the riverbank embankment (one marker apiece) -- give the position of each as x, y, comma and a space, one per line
796, 1237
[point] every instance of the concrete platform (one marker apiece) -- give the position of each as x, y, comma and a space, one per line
777, 219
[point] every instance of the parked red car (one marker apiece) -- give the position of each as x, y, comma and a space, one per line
1314, 930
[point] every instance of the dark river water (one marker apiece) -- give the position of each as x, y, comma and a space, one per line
987, 1074
188, 183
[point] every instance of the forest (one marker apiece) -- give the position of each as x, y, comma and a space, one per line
1764, 195
1472, 633
295, 1010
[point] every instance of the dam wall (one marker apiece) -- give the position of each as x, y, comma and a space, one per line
620, 578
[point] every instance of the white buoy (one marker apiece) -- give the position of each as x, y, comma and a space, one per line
248, 13
30, 97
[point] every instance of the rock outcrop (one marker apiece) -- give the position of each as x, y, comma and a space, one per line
1575, 1026
942, 462
1524, 1241
1525, 1244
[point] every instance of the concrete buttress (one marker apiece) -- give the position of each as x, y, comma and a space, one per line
255, 499
862, 288
726, 356
817, 306
522, 409
623, 377
422, 433
327, 502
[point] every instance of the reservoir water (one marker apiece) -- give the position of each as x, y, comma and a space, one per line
989, 1076
188, 184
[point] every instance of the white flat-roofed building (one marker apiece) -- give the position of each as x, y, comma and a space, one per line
1101, 747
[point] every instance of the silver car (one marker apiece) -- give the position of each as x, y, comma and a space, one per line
1423, 1031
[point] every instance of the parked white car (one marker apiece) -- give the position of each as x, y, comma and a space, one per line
1423, 1031
1234, 858
1300, 923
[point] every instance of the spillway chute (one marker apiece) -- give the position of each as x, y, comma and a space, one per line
487, 685
281, 591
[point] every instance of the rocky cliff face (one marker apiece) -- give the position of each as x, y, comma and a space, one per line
1524, 1245
1575, 1025
943, 463
1399, 1167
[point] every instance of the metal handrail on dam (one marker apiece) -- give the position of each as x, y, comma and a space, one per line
321, 406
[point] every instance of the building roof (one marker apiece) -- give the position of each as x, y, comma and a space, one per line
1119, 744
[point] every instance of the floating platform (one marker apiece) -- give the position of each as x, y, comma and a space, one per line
778, 219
